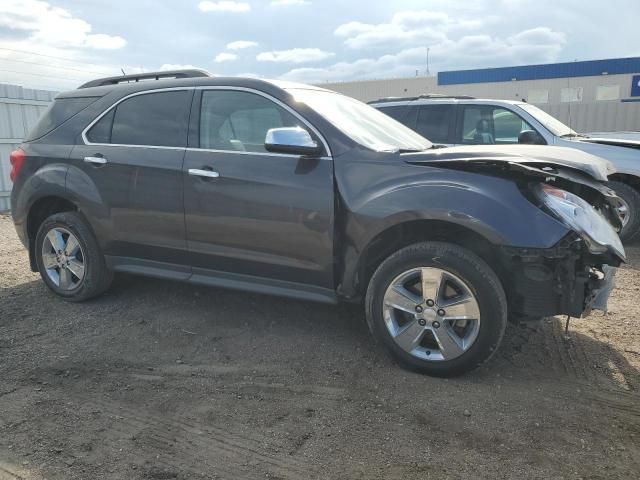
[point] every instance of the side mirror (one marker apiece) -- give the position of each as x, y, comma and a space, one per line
531, 137
293, 140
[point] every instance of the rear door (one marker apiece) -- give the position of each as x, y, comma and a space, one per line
258, 214
133, 156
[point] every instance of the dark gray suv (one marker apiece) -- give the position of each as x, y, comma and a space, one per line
294, 190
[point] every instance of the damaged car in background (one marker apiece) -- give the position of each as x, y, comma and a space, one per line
288, 189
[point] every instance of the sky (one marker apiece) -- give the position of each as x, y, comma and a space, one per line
61, 43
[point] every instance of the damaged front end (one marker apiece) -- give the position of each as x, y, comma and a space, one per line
576, 275
566, 279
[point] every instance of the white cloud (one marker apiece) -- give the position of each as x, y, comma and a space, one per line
53, 26
224, 6
405, 28
225, 57
240, 44
177, 66
294, 55
537, 45
284, 3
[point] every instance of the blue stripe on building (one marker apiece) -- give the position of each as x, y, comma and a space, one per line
589, 68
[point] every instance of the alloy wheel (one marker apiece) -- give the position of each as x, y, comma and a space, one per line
431, 314
63, 258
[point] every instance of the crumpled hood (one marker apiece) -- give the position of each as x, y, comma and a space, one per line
534, 155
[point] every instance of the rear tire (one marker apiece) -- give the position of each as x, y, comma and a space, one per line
632, 199
467, 288
69, 258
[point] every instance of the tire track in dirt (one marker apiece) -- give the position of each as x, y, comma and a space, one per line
181, 439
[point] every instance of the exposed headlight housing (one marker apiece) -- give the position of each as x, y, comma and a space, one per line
577, 214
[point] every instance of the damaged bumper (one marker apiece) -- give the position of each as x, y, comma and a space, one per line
564, 280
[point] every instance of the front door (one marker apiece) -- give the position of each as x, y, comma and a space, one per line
132, 160
250, 212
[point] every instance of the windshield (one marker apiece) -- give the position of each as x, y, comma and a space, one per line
554, 125
362, 123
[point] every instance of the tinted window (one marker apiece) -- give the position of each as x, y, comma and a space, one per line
433, 122
402, 113
59, 112
233, 120
149, 119
488, 125
101, 131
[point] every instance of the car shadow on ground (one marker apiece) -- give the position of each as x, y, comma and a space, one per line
141, 314
158, 379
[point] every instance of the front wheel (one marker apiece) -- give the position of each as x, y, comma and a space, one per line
69, 258
438, 307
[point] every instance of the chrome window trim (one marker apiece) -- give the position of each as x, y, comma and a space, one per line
97, 119
281, 104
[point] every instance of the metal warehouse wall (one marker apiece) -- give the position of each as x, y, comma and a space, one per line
587, 115
20, 109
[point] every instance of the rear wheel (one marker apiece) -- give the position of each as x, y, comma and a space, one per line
69, 258
629, 211
438, 307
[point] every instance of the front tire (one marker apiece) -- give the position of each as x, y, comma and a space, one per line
69, 259
631, 209
438, 308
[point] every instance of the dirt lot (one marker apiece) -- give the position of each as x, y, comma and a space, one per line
160, 380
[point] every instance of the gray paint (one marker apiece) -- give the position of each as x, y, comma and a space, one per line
20, 109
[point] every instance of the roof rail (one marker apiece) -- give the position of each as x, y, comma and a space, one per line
190, 73
428, 96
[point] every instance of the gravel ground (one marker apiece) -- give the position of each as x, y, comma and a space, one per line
162, 380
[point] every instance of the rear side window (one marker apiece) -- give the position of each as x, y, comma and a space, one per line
154, 119
61, 110
434, 121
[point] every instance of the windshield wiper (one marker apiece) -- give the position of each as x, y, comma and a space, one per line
573, 135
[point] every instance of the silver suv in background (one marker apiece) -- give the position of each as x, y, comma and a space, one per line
463, 120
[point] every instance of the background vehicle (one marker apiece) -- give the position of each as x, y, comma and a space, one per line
294, 190
469, 121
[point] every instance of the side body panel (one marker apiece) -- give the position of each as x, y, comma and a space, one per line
375, 195
44, 175
138, 209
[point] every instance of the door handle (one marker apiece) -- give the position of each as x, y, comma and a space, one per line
203, 173
95, 160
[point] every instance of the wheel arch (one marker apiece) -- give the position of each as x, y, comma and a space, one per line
626, 178
41, 209
407, 233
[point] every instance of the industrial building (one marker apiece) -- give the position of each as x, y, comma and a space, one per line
590, 96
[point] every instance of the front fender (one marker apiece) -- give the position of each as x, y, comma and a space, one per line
376, 199
493, 207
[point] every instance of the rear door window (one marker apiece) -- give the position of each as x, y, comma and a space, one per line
434, 122
61, 110
153, 119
